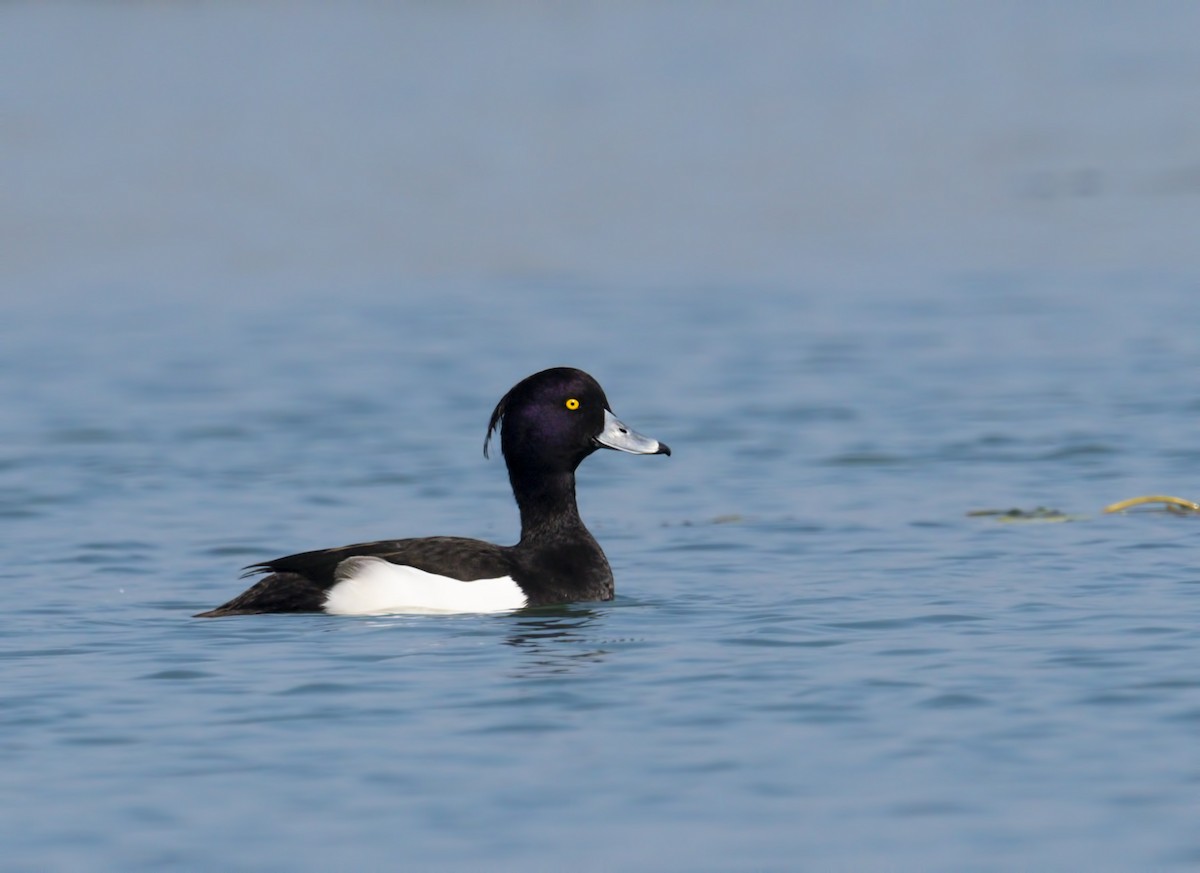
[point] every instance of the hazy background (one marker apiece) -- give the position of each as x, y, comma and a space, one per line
191, 149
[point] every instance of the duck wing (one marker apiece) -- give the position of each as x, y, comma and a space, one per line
302, 582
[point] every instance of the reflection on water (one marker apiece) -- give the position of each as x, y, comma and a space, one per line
555, 641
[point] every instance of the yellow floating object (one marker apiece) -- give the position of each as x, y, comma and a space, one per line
1173, 504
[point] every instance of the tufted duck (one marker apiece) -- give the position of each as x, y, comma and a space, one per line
548, 424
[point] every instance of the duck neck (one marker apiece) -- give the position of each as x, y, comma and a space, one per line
546, 500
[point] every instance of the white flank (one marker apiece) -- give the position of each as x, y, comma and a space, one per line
373, 586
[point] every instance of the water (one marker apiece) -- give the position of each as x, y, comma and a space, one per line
816, 659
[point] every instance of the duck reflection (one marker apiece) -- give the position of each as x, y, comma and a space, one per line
558, 639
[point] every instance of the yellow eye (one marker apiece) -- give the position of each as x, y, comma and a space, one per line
572, 403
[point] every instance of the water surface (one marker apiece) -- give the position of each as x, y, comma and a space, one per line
261, 296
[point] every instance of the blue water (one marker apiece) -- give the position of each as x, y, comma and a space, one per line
263, 281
